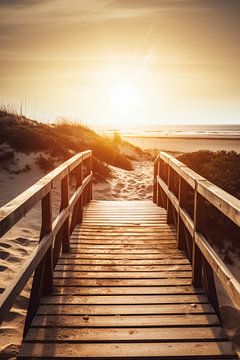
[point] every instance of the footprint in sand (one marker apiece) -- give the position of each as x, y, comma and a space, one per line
5, 245
3, 254
22, 241
14, 259
22, 251
2, 267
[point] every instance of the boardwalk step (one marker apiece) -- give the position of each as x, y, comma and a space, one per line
124, 292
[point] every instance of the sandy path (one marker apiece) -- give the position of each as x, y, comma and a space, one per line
127, 185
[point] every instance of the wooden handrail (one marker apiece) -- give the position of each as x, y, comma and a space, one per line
54, 236
205, 261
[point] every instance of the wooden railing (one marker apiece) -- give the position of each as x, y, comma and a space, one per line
55, 234
184, 194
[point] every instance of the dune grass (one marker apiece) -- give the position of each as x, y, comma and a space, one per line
60, 141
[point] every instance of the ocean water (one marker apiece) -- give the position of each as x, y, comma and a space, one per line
186, 138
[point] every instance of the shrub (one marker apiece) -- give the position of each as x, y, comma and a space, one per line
223, 169
45, 164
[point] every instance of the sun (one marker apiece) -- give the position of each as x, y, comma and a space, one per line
124, 94
124, 97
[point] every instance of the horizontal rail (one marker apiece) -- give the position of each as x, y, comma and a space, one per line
170, 180
55, 234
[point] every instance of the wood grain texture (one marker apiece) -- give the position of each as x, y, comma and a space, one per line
124, 292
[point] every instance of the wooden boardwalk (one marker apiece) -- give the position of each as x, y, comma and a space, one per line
124, 291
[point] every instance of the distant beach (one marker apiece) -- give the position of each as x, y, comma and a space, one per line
186, 138
184, 144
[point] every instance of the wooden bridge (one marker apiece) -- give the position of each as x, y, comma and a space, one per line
123, 279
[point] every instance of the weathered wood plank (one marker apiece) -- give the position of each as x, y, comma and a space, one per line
122, 282
128, 334
129, 290
127, 251
159, 350
128, 245
125, 321
121, 268
76, 310
125, 262
127, 299
122, 275
126, 256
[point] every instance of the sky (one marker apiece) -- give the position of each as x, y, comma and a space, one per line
122, 62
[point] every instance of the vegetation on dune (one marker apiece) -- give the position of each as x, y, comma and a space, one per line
59, 141
223, 169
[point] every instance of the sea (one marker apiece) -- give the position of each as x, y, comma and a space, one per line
184, 138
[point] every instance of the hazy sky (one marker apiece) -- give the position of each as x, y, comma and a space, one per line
122, 61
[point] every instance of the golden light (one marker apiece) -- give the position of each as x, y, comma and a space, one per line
125, 93
124, 97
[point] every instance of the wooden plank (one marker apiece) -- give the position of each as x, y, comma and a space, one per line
129, 290
123, 226
125, 262
127, 299
66, 321
101, 242
128, 334
76, 310
121, 282
142, 236
123, 234
121, 268
151, 247
156, 256
160, 350
126, 250
122, 275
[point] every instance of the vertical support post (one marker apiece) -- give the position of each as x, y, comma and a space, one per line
180, 232
209, 284
155, 183
170, 217
196, 253
65, 204
46, 229
159, 189
43, 277
79, 183
91, 181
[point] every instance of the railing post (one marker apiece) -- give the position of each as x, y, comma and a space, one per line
159, 189
43, 277
180, 230
196, 253
91, 181
46, 229
79, 183
155, 182
210, 287
65, 204
170, 217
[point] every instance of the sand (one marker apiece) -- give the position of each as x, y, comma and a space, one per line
19, 242
184, 145
127, 185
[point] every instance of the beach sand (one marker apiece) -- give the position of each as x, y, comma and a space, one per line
19, 242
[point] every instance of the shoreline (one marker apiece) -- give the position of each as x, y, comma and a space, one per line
183, 137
